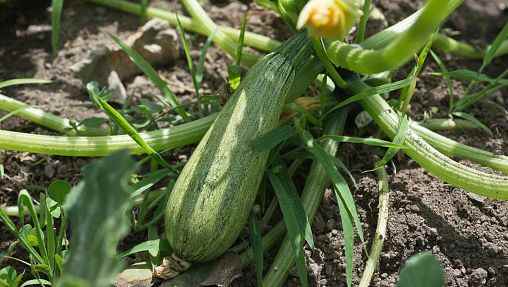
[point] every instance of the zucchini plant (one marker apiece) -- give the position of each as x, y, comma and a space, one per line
262, 131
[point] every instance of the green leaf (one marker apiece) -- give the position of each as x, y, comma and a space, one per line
241, 40
467, 75
2, 171
294, 217
152, 246
471, 99
97, 208
367, 141
93, 122
473, 120
56, 15
58, 190
200, 68
150, 72
188, 57
406, 94
492, 49
422, 270
398, 140
16, 82
98, 97
149, 180
386, 88
9, 277
444, 71
256, 241
272, 138
347, 207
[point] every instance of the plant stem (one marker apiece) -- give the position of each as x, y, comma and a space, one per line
266, 44
398, 51
228, 44
436, 163
254, 40
163, 139
447, 124
379, 236
311, 199
37, 116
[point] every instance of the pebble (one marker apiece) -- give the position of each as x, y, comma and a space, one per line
478, 277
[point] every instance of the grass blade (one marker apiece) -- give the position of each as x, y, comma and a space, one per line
492, 49
14, 82
56, 15
200, 68
256, 241
474, 120
96, 96
386, 88
274, 137
347, 207
151, 246
294, 218
188, 57
468, 75
362, 26
367, 141
144, 8
444, 71
150, 72
399, 139
406, 94
471, 99
241, 40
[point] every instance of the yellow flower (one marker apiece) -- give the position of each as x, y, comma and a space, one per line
331, 19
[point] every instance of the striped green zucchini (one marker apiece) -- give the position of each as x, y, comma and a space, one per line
214, 194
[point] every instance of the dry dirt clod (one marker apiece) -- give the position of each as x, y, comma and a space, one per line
478, 277
156, 42
137, 275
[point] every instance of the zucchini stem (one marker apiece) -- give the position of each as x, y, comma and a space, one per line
380, 234
253, 40
398, 51
479, 182
163, 139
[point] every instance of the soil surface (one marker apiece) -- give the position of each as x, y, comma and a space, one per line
468, 234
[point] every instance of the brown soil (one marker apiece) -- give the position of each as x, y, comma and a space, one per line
469, 236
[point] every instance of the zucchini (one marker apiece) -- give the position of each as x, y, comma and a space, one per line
213, 196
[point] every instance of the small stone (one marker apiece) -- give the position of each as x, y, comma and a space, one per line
478, 277
115, 85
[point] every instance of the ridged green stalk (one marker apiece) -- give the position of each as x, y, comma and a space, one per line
479, 182
45, 119
400, 49
36, 115
163, 139
380, 234
254, 40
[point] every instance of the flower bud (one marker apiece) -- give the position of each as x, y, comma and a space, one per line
332, 19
